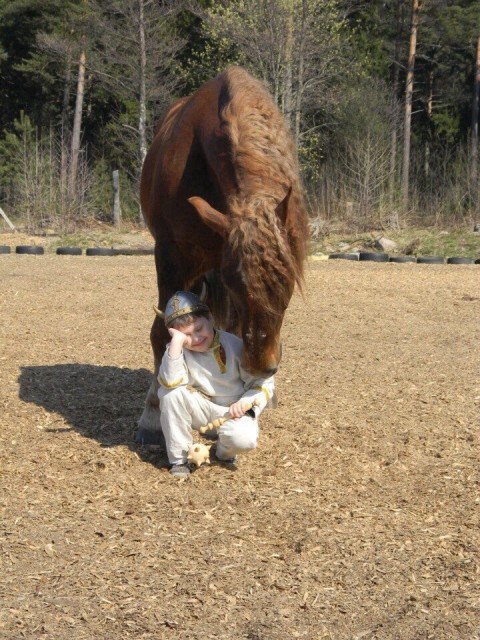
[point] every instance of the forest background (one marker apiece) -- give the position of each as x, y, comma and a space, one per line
381, 96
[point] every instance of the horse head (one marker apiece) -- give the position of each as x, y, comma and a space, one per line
258, 271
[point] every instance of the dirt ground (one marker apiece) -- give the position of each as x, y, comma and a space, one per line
356, 518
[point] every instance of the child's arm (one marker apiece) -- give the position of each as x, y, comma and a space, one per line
173, 372
258, 391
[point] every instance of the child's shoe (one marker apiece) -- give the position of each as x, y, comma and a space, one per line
232, 460
180, 470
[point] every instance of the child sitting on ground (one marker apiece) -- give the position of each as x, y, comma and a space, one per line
201, 378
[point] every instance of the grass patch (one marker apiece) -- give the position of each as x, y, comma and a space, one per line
416, 242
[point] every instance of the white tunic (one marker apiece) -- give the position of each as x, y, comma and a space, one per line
217, 373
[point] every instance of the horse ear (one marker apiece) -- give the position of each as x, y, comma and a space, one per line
217, 221
282, 207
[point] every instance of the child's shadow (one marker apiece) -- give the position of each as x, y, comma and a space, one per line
98, 402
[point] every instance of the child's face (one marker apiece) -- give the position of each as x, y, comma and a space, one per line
200, 334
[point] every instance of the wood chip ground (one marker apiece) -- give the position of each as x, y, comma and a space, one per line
356, 518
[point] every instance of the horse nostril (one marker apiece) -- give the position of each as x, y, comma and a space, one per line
271, 371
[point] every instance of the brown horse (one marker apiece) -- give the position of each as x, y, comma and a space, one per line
221, 195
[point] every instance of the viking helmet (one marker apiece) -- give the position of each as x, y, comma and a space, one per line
181, 303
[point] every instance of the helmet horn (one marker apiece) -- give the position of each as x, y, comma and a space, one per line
159, 312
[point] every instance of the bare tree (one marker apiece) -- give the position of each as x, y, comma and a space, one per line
38, 193
429, 114
475, 112
69, 46
136, 59
395, 107
366, 169
142, 100
77, 121
301, 68
294, 46
416, 7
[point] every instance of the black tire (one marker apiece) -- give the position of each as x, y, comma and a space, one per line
477, 261
69, 251
134, 252
373, 257
430, 260
4, 248
343, 256
30, 249
403, 259
100, 251
460, 261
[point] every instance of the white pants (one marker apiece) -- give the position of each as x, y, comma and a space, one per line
183, 409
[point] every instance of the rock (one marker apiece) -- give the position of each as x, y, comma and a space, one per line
385, 244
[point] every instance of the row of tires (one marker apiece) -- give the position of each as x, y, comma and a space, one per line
360, 256
76, 251
384, 257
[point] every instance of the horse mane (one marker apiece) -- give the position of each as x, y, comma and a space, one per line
270, 250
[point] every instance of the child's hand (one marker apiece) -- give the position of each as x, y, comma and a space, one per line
238, 409
178, 337
179, 340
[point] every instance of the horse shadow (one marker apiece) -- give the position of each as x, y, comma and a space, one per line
99, 402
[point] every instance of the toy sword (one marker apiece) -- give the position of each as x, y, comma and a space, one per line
215, 424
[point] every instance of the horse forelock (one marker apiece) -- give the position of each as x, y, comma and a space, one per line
260, 247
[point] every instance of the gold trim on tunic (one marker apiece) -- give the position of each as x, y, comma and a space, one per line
172, 385
264, 390
217, 347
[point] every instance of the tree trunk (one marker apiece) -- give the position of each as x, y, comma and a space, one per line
66, 92
395, 110
426, 167
301, 63
77, 122
416, 6
288, 85
475, 109
142, 120
117, 211
142, 107
65, 127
